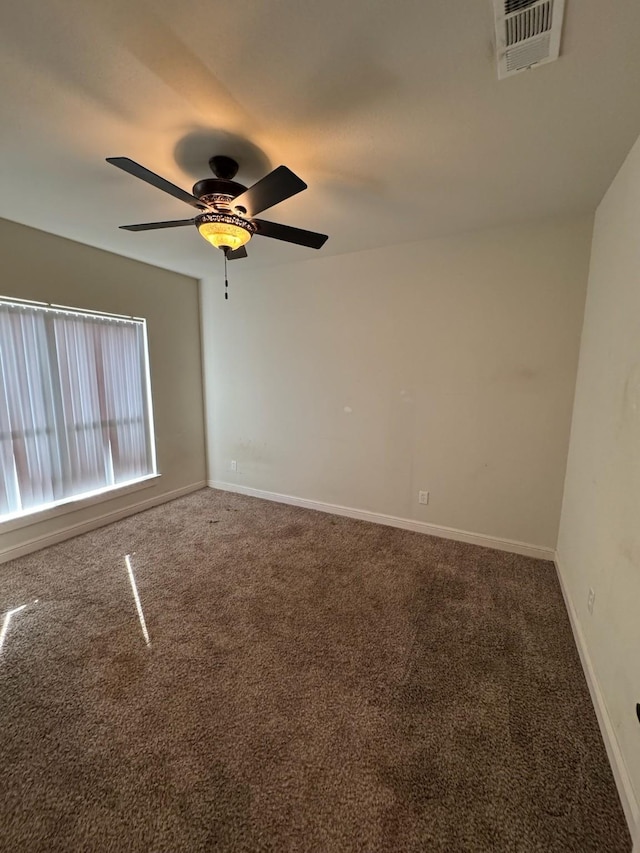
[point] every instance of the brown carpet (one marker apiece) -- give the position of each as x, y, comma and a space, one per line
312, 683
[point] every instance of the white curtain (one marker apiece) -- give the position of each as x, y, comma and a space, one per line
74, 411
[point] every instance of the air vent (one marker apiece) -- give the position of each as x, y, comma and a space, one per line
516, 5
527, 33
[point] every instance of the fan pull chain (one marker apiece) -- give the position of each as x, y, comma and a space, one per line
226, 283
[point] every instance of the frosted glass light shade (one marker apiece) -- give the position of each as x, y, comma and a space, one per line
221, 234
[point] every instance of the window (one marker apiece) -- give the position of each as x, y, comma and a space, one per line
75, 405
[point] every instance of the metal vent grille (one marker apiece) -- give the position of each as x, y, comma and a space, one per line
529, 23
528, 54
527, 33
511, 6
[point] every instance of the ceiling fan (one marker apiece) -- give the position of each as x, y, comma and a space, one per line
227, 209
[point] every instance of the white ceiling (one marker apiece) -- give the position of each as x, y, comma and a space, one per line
391, 111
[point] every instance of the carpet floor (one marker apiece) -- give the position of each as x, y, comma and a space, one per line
222, 673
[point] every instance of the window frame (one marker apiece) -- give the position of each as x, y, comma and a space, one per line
75, 503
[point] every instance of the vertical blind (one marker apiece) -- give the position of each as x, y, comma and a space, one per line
75, 413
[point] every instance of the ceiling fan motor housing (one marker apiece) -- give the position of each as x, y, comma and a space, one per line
210, 188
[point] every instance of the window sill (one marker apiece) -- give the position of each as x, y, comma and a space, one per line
77, 502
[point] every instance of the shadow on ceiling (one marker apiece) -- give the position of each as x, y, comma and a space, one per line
192, 153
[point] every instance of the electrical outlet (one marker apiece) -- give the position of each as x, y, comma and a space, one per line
423, 497
591, 600
234, 465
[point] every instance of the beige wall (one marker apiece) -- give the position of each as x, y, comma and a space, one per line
446, 365
599, 542
40, 266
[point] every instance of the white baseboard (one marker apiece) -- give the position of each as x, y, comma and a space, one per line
393, 521
38, 542
626, 792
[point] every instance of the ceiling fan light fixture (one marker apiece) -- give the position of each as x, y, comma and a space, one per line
225, 230
226, 208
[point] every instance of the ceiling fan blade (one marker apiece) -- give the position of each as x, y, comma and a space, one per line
152, 226
139, 171
291, 235
272, 189
237, 254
